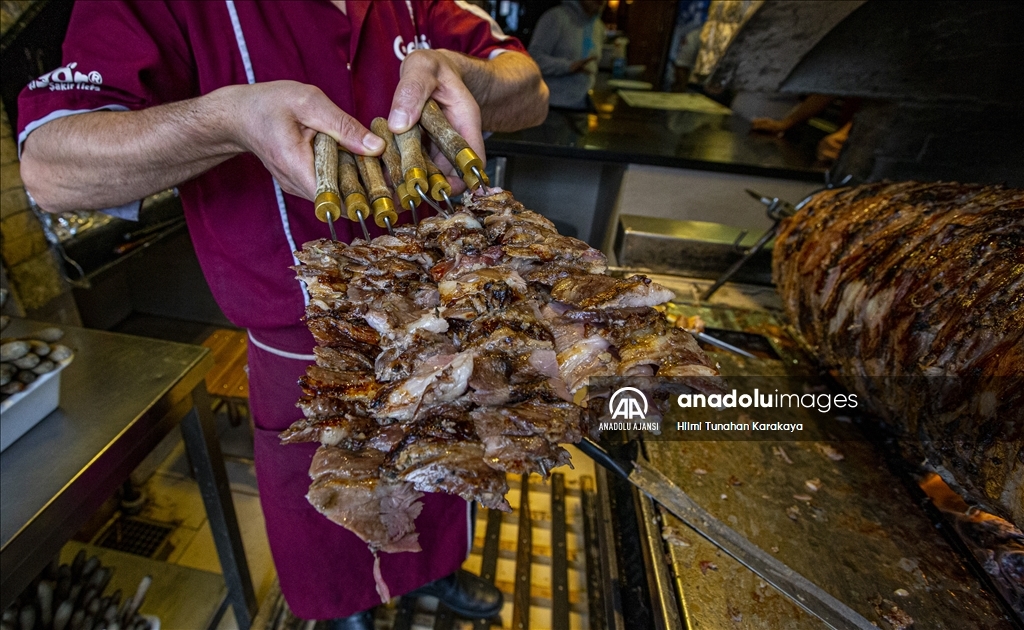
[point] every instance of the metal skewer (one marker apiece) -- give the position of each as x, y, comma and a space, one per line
479, 177
425, 197
330, 224
777, 210
448, 201
715, 341
412, 210
387, 222
362, 224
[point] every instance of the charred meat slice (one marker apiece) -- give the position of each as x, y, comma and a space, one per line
341, 329
600, 291
454, 467
319, 381
482, 290
440, 379
399, 361
348, 490
342, 359
349, 429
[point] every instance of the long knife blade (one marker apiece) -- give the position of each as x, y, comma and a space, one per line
796, 587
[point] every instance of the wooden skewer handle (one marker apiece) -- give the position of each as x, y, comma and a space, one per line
325, 162
393, 163
373, 177
391, 156
410, 145
441, 131
454, 146
377, 188
355, 194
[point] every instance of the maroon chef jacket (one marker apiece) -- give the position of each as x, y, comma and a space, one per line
131, 55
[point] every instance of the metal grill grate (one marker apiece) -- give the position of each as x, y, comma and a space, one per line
135, 536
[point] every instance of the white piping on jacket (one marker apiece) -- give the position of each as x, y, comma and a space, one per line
281, 353
250, 76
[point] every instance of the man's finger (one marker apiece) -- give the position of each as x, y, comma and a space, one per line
316, 111
415, 86
300, 182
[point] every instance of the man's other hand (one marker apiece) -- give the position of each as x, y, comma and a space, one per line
277, 120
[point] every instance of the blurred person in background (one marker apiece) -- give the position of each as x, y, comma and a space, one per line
690, 18
815, 104
567, 45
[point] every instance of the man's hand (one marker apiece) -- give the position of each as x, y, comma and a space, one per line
431, 74
277, 121
505, 93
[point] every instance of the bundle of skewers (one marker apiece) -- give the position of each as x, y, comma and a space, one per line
71, 597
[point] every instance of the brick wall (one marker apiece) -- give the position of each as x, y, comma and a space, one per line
30, 266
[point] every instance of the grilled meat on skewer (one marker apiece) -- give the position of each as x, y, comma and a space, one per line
448, 354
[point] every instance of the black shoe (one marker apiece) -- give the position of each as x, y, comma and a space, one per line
359, 621
466, 594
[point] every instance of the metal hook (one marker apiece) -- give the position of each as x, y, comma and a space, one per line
739, 239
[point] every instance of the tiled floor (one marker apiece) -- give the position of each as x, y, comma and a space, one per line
173, 497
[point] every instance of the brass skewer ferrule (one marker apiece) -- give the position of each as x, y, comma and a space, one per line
439, 182
327, 205
472, 169
406, 197
415, 178
357, 207
384, 212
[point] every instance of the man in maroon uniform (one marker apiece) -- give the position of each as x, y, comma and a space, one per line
222, 99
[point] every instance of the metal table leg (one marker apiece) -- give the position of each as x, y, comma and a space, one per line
199, 432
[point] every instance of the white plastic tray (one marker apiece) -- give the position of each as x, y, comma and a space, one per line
24, 410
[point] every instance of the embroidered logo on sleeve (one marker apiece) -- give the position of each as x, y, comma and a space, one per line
68, 78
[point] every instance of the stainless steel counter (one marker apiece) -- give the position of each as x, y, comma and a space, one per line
119, 397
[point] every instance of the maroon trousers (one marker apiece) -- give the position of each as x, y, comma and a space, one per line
324, 570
